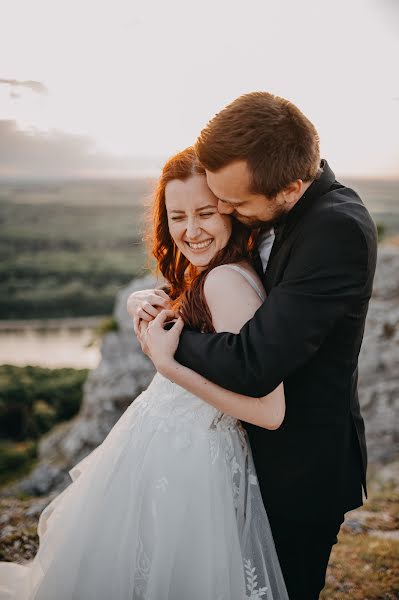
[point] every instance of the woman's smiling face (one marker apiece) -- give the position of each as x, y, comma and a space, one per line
195, 224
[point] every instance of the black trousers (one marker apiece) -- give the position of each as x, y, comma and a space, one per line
304, 551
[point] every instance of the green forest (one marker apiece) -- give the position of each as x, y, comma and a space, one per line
67, 248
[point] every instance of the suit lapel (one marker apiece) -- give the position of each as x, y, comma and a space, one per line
285, 230
277, 263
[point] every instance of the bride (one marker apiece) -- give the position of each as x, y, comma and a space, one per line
168, 507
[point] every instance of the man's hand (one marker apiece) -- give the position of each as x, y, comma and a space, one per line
146, 305
158, 343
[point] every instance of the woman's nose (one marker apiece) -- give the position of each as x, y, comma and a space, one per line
193, 229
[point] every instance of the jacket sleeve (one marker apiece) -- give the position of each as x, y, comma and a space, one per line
327, 272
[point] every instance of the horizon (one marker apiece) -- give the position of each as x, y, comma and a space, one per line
154, 174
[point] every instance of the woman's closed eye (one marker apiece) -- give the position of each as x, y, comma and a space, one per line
208, 214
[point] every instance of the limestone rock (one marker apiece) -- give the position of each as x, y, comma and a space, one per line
379, 360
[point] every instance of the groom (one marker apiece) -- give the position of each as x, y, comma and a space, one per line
261, 156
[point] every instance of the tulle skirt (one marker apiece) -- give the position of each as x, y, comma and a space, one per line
155, 513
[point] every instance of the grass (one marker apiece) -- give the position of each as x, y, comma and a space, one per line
364, 564
362, 567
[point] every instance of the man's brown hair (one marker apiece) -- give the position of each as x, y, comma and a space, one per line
278, 142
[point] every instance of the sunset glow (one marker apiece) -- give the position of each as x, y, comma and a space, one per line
141, 79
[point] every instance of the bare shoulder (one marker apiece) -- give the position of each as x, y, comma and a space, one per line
224, 275
223, 279
231, 299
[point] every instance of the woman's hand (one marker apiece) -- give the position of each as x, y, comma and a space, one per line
160, 344
146, 305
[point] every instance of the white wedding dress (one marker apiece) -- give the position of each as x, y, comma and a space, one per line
168, 507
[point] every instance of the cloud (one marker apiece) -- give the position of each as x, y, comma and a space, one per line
54, 154
34, 86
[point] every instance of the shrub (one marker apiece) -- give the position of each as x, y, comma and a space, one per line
16, 457
32, 399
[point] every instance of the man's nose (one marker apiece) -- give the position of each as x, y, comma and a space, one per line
225, 208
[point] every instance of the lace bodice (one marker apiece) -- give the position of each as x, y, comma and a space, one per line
170, 407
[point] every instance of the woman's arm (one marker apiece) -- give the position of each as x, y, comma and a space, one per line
232, 302
267, 411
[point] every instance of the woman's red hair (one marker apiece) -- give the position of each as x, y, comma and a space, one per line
185, 280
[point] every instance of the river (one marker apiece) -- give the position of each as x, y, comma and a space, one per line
50, 343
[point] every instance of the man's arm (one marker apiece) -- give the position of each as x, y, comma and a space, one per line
327, 272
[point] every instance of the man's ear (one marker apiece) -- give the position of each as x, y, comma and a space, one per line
293, 191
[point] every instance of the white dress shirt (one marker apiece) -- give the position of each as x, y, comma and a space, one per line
265, 246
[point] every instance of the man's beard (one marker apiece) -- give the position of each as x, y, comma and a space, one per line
253, 223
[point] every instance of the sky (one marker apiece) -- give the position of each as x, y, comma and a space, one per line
115, 86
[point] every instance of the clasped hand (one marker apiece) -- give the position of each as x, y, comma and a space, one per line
157, 343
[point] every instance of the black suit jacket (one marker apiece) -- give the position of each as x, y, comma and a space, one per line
307, 334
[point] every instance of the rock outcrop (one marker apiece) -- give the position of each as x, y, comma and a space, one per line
379, 360
124, 372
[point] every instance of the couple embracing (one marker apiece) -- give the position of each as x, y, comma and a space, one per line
229, 476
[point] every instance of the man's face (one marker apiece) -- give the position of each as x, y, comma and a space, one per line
231, 186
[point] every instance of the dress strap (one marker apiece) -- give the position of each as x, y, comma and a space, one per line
261, 293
